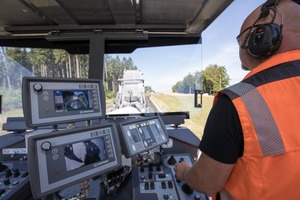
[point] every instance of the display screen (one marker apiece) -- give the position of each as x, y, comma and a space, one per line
154, 129
135, 135
84, 153
146, 132
70, 100
141, 135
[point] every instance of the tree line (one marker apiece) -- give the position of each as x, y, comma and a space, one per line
210, 80
16, 63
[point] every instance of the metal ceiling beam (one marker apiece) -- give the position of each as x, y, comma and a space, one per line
48, 30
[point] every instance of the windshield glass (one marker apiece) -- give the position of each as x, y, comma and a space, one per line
149, 80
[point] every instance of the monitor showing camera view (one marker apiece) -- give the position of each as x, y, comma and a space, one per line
48, 101
64, 158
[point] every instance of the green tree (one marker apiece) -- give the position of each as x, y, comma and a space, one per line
215, 78
148, 89
114, 70
212, 79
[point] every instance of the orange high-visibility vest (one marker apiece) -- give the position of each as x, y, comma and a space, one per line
268, 105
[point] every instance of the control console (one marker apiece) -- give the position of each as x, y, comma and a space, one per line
157, 180
14, 180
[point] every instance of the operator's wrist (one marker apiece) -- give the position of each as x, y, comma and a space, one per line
185, 173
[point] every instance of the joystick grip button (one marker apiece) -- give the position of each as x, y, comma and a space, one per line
186, 189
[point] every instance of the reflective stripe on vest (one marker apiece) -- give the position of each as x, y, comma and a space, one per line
265, 126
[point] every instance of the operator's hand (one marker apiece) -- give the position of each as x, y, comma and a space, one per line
181, 169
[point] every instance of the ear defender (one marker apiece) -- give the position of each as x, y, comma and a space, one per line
264, 40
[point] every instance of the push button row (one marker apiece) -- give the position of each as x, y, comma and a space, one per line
164, 186
152, 186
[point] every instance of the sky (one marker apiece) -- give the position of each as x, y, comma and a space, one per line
163, 67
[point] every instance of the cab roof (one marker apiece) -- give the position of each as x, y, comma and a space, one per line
125, 24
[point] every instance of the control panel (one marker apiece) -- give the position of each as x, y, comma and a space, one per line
157, 180
14, 180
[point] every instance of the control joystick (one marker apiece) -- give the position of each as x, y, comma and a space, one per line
186, 189
172, 160
2, 167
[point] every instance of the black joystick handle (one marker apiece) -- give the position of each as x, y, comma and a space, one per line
186, 189
2, 167
7, 173
172, 160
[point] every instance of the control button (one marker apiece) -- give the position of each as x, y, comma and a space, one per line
7, 173
25, 174
15, 183
163, 185
147, 186
2, 191
172, 160
161, 176
152, 186
142, 177
181, 159
142, 169
6, 181
150, 167
158, 168
186, 189
197, 197
170, 184
46, 146
166, 196
54, 151
55, 157
150, 175
2, 167
37, 87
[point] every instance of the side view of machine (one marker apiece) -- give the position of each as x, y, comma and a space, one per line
77, 122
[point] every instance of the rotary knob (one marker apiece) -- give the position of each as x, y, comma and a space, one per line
37, 87
46, 146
